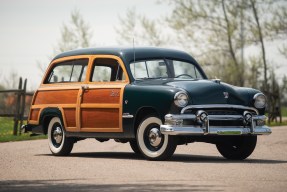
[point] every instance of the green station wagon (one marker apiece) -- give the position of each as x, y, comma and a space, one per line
153, 98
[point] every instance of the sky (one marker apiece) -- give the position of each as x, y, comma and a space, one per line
30, 29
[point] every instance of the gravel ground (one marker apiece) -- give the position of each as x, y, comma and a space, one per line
111, 166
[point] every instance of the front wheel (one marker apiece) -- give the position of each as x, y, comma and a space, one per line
135, 147
237, 148
152, 144
59, 144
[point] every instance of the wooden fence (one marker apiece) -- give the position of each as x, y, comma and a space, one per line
19, 104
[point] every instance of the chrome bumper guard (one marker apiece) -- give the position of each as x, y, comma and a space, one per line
253, 124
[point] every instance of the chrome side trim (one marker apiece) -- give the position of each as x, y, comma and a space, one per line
222, 106
127, 116
182, 116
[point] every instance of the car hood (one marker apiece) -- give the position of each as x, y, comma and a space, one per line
212, 92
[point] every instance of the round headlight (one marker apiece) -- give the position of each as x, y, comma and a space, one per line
181, 99
259, 100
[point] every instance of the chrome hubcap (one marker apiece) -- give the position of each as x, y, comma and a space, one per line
155, 137
58, 135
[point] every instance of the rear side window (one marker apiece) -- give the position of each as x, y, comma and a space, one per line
107, 70
68, 71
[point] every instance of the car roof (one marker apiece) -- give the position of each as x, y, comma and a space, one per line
128, 54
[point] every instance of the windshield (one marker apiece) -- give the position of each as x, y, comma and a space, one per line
164, 68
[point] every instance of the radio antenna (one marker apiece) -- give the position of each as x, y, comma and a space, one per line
134, 54
134, 49
134, 28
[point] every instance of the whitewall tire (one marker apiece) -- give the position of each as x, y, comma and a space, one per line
152, 144
59, 144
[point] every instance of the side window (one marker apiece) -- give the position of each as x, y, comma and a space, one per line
107, 70
149, 69
102, 73
181, 68
139, 70
68, 71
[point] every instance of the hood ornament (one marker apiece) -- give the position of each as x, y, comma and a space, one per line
226, 95
216, 81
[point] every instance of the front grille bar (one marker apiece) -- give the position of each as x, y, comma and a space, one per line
219, 106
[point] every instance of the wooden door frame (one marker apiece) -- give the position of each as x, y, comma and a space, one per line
102, 85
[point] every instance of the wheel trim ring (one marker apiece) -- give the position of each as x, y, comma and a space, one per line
140, 139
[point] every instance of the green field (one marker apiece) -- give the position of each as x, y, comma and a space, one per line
6, 132
284, 111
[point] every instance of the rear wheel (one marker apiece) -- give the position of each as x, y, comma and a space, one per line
59, 144
237, 148
152, 144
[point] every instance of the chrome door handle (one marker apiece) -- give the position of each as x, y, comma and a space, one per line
85, 87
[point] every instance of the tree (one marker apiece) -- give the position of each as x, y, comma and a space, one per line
212, 28
258, 35
217, 33
74, 35
278, 25
11, 81
135, 27
1, 80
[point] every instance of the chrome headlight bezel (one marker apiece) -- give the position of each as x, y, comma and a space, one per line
260, 100
181, 99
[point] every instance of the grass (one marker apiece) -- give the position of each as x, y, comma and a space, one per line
6, 132
284, 111
284, 121
273, 124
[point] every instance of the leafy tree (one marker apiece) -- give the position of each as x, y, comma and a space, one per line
212, 30
11, 81
138, 28
278, 25
1, 80
74, 35
216, 33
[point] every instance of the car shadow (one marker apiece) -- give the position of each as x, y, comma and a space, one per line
186, 158
219, 159
75, 186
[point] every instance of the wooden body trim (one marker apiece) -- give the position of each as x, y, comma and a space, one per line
71, 96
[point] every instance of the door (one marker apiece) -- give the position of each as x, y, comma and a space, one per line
60, 89
101, 98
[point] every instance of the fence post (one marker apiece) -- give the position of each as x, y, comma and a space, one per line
23, 104
16, 117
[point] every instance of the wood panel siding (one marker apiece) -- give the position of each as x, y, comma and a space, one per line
101, 96
100, 118
56, 97
70, 116
34, 114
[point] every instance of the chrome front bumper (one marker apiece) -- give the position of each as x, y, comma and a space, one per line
252, 124
184, 130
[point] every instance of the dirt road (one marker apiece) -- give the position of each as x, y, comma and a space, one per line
110, 166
